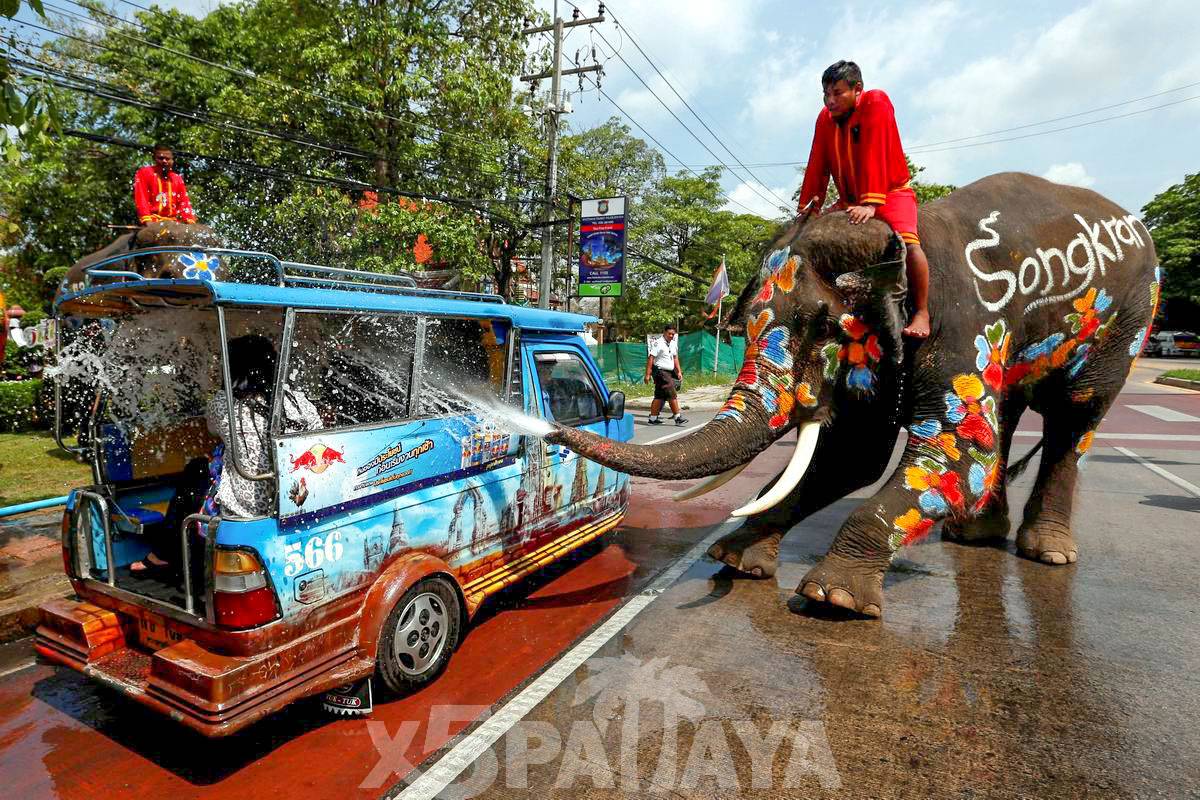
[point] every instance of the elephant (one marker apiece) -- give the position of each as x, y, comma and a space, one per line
154, 234
1041, 295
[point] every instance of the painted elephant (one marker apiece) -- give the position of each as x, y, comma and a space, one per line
1041, 295
155, 234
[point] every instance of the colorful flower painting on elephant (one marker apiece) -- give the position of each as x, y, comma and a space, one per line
861, 353
1060, 350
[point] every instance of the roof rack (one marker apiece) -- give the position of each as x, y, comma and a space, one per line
293, 273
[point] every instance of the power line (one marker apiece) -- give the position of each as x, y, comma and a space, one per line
342, 183
1064, 128
683, 124
216, 119
661, 146
107, 92
933, 147
689, 107
251, 76
1060, 119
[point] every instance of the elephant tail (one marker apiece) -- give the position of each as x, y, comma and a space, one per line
1014, 470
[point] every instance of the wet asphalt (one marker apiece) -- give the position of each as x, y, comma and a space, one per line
640, 669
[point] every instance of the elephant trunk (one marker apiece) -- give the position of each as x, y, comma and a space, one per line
722, 445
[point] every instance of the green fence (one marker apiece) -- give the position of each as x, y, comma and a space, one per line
626, 361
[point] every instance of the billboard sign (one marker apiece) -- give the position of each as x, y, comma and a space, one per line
602, 247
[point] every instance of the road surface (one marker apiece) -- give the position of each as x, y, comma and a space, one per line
989, 675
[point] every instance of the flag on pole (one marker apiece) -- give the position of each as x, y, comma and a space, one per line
719, 287
718, 291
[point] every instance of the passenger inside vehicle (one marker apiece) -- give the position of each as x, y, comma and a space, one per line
252, 365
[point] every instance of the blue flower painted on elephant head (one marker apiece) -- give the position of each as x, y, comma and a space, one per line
775, 348
200, 266
775, 261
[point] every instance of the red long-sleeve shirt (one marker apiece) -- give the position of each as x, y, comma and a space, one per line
863, 154
158, 199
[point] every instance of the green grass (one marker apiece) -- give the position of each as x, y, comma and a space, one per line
33, 468
639, 389
1185, 374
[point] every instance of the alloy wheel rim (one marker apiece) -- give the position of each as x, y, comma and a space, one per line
420, 633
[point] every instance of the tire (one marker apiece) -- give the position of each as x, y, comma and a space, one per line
419, 635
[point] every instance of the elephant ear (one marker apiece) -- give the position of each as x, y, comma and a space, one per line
878, 292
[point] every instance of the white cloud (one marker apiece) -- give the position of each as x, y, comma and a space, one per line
752, 197
1107, 48
1071, 173
889, 46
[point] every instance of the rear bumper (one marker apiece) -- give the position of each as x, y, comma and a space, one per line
213, 694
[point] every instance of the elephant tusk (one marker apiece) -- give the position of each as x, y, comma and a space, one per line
806, 445
709, 484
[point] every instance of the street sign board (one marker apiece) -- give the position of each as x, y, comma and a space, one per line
602, 246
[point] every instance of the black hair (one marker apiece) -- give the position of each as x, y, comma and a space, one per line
669, 327
161, 146
846, 71
252, 361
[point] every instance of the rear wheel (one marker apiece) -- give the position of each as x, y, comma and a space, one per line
419, 636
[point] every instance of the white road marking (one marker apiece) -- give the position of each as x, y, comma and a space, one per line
673, 435
1165, 414
19, 668
460, 757
1191, 488
1150, 437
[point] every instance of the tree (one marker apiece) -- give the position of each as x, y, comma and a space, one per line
926, 192
26, 106
1173, 217
318, 100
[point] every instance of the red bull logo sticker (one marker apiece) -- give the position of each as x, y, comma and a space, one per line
317, 459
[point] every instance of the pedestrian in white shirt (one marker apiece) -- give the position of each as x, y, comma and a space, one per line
662, 366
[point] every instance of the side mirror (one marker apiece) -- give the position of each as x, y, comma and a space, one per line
615, 408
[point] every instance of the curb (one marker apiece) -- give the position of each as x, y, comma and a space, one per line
1179, 382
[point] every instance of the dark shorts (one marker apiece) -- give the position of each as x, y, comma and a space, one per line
665, 384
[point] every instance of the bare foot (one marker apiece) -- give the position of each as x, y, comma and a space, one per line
918, 328
148, 564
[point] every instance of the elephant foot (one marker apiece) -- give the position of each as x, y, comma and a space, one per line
1050, 544
749, 551
846, 583
987, 527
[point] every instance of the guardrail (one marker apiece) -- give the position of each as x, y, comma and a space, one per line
22, 508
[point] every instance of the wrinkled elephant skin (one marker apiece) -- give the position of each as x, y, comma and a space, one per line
1041, 296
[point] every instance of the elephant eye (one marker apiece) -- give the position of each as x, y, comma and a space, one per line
830, 328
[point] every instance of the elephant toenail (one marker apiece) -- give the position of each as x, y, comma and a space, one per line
872, 610
840, 597
813, 591
1051, 557
1072, 556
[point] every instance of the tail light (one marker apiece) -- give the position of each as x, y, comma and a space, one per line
242, 595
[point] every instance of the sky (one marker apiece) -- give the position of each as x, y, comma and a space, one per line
954, 70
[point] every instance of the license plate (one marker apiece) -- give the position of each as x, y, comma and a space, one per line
153, 632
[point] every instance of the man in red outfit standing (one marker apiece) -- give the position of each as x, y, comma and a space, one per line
857, 143
159, 193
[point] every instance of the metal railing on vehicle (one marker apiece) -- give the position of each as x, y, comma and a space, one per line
293, 274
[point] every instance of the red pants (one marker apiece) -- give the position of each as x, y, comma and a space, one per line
899, 210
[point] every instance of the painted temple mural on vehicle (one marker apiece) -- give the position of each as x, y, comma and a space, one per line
456, 488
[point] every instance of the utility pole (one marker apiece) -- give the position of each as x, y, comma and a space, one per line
555, 73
